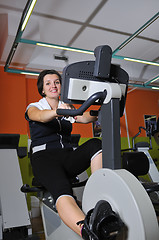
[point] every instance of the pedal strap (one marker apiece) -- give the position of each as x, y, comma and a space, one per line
104, 222
101, 222
86, 232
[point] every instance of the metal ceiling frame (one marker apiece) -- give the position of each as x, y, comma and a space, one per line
18, 39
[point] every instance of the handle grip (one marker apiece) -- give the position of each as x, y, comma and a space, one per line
76, 112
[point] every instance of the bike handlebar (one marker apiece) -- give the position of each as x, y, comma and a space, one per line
75, 112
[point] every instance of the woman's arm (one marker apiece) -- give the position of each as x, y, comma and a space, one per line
85, 118
46, 115
38, 115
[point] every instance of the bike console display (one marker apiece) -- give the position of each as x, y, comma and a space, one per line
82, 79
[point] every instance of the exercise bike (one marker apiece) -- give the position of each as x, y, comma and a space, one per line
140, 156
101, 83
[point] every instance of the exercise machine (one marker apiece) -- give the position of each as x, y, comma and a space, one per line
14, 217
101, 83
156, 132
145, 147
140, 155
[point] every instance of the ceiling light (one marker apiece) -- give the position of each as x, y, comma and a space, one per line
64, 48
155, 88
147, 24
155, 79
30, 73
151, 81
141, 61
51, 45
13, 70
28, 15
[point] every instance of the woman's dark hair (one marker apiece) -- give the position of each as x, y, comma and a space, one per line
41, 77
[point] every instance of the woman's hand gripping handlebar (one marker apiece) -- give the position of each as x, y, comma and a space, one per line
76, 112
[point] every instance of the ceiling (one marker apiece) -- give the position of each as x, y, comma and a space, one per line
83, 24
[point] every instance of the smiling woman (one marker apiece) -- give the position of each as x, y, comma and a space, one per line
53, 160
52, 86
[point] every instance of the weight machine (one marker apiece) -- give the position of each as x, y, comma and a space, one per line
14, 216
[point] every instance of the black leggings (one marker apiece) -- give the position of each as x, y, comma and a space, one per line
54, 168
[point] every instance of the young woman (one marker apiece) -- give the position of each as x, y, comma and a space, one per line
54, 162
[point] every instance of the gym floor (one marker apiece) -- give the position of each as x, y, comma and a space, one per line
37, 227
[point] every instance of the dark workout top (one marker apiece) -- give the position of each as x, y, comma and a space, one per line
50, 135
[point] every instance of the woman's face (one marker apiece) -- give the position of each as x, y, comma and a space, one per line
51, 86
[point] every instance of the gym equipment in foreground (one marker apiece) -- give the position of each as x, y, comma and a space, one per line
14, 216
101, 83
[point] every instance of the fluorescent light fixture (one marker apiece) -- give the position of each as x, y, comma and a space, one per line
65, 48
141, 61
28, 15
155, 88
25, 72
151, 81
29, 73
147, 24
155, 79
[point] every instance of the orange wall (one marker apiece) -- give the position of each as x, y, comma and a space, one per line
140, 103
17, 92
12, 103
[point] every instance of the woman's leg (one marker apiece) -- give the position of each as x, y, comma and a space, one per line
70, 213
66, 206
89, 153
96, 162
